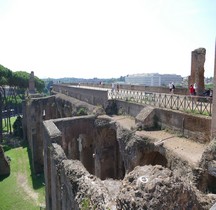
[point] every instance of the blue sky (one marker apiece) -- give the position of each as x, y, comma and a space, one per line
104, 39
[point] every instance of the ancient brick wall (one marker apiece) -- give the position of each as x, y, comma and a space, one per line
92, 141
91, 96
192, 126
69, 185
36, 110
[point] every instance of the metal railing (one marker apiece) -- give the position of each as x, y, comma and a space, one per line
185, 103
189, 104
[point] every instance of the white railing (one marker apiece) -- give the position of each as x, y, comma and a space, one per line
190, 104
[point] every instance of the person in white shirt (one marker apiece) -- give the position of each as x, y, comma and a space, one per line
195, 88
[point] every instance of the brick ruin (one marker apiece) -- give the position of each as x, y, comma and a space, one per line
32, 84
93, 160
197, 69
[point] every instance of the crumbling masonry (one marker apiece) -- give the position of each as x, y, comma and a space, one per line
92, 160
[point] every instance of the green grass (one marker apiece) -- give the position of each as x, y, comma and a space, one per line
196, 112
20, 190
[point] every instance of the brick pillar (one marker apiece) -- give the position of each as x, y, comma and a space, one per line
197, 69
213, 125
31, 83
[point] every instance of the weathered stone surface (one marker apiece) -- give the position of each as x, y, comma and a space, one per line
68, 106
209, 155
4, 163
38, 109
146, 118
197, 69
93, 148
87, 189
155, 187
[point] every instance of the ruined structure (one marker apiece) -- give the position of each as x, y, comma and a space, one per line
91, 159
197, 69
32, 83
95, 161
35, 110
87, 157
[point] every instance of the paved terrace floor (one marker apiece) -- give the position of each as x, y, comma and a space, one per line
184, 148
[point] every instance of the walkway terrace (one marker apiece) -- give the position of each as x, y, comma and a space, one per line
185, 103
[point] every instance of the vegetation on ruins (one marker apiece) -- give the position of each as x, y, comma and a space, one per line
12, 91
81, 111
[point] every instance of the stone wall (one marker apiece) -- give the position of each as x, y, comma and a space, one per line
91, 96
90, 140
191, 126
35, 110
81, 152
128, 108
195, 127
180, 91
38, 109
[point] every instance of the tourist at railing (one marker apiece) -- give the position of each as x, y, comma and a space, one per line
192, 91
170, 87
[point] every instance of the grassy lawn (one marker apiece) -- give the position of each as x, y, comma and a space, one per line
21, 190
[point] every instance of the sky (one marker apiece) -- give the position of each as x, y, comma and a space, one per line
105, 39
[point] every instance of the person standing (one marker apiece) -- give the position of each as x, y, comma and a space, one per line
195, 88
173, 88
117, 87
170, 87
191, 89
113, 87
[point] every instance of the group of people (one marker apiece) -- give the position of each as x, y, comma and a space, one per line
113, 87
193, 89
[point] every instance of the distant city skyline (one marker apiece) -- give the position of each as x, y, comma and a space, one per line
106, 39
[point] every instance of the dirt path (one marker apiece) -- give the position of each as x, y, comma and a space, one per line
22, 182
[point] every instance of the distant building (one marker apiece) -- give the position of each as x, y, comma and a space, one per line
153, 79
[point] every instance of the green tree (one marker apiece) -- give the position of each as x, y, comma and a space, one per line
16, 84
5, 79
